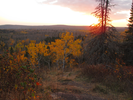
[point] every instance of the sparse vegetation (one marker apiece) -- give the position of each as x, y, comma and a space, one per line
78, 77
47, 64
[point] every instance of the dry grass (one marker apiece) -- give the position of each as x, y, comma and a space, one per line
73, 82
108, 83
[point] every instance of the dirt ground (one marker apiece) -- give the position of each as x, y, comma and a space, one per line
75, 91
71, 85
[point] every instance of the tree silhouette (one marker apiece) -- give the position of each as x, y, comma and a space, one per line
130, 25
102, 47
102, 13
128, 43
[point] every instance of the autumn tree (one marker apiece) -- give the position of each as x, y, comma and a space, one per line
64, 47
128, 41
36, 52
2, 44
102, 46
32, 51
43, 53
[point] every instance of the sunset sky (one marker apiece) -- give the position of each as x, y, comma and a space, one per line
60, 12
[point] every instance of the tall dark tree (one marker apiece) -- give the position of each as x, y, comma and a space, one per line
102, 47
128, 43
130, 25
11, 50
102, 13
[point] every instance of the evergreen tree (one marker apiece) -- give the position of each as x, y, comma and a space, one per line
26, 54
102, 13
128, 43
130, 25
102, 47
11, 50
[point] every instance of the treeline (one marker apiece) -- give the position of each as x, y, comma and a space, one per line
33, 34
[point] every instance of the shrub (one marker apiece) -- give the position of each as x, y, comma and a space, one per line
117, 78
96, 71
18, 79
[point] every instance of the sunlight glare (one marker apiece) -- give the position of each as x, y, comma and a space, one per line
120, 23
42, 14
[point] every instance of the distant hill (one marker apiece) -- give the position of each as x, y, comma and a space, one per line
120, 29
43, 27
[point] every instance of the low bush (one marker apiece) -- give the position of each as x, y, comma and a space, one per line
117, 78
18, 80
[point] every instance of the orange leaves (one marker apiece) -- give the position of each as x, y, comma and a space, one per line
16, 70
32, 52
67, 37
2, 44
36, 51
40, 47
23, 32
76, 47
11, 41
60, 51
21, 58
65, 46
19, 46
37, 83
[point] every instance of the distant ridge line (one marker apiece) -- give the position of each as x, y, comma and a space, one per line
42, 27
53, 27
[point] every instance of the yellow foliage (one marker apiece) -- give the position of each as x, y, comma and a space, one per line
32, 41
26, 41
2, 44
65, 46
32, 52
124, 33
19, 46
46, 35
35, 49
11, 41
22, 41
23, 32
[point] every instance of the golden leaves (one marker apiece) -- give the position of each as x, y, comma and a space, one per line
55, 51
11, 41
65, 46
2, 44
35, 50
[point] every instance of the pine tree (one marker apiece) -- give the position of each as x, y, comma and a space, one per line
128, 43
102, 13
130, 25
11, 50
102, 47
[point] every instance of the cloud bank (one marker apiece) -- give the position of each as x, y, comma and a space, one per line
88, 6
